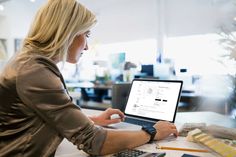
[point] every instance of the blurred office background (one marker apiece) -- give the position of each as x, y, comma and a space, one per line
164, 39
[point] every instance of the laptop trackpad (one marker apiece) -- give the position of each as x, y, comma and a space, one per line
125, 126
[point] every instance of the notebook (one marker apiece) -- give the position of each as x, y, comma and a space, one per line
151, 100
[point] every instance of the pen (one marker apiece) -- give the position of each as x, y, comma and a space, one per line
182, 149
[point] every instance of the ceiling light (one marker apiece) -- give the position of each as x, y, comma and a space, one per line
235, 18
32, 0
1, 7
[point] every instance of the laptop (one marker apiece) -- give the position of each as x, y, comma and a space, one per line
152, 100
120, 93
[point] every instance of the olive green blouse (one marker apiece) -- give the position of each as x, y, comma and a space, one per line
36, 111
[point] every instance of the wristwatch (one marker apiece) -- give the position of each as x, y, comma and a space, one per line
150, 130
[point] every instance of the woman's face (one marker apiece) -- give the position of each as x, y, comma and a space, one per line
76, 48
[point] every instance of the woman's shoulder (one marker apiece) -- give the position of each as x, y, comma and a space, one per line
38, 62
46, 63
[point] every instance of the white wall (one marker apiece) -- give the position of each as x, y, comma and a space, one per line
125, 20
189, 17
15, 20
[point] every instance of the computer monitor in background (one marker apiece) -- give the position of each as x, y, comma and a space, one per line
163, 71
147, 69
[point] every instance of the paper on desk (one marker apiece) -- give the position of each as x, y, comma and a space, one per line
180, 142
221, 132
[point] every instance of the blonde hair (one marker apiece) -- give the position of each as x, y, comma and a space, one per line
55, 26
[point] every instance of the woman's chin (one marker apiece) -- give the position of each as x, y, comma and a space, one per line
72, 61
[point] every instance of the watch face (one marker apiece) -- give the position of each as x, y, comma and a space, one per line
150, 129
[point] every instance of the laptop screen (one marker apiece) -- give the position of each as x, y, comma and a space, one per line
155, 99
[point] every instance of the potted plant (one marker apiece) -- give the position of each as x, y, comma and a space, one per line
228, 41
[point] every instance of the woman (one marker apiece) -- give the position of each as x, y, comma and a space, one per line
36, 111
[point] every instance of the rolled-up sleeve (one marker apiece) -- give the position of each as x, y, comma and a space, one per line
41, 88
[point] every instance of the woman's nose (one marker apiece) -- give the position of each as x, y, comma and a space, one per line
86, 47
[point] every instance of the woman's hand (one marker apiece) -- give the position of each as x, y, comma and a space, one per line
165, 129
105, 118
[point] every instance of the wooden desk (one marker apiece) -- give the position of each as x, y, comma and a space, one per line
67, 149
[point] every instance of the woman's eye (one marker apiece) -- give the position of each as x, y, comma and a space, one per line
87, 35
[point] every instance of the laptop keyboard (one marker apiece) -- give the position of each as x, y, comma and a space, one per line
138, 122
129, 153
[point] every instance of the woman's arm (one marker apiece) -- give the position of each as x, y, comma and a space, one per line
118, 140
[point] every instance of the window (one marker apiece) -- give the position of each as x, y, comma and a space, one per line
200, 54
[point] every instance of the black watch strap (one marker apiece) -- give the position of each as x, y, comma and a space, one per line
151, 131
